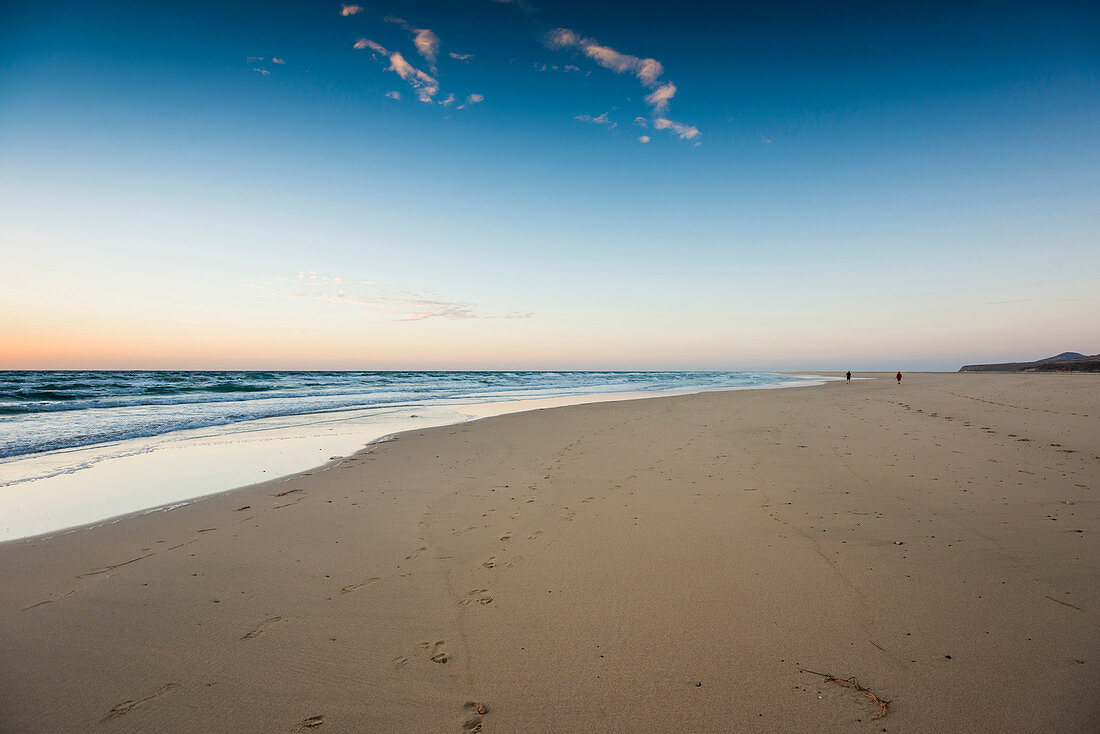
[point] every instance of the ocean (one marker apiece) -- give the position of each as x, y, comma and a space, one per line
51, 410
82, 447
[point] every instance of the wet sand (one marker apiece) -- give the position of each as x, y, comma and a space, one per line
664, 564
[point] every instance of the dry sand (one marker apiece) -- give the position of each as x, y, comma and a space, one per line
654, 565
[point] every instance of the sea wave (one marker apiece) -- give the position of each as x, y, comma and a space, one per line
48, 411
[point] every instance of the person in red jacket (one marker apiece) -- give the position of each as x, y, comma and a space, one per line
899, 378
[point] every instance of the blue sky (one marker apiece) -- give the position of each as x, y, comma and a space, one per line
807, 186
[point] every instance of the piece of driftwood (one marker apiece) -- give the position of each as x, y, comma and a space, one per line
883, 706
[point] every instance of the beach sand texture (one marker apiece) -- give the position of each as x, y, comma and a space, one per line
669, 564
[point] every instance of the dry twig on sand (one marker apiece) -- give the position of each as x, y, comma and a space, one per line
853, 684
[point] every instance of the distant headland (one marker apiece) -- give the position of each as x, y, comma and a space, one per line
1064, 362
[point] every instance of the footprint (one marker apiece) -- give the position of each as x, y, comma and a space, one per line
261, 628
126, 706
415, 553
481, 596
437, 652
489, 562
352, 587
400, 662
476, 710
506, 537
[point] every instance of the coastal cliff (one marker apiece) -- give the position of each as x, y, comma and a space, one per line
1064, 362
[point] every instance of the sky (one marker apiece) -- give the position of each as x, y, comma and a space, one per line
547, 184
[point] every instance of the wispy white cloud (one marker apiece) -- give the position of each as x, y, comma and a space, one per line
265, 72
425, 40
346, 10
554, 67
376, 298
599, 120
426, 309
376, 47
471, 100
427, 44
643, 138
253, 59
660, 96
448, 100
393, 94
425, 85
648, 71
685, 132
460, 57
277, 60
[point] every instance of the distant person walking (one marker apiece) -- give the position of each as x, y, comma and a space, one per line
849, 375
899, 378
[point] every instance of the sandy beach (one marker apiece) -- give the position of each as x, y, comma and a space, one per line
670, 564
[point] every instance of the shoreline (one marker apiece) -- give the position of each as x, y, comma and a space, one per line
670, 563
125, 475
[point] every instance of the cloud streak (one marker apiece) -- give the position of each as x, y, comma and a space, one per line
425, 40
346, 10
598, 120
646, 70
376, 47
660, 97
471, 100
377, 299
424, 85
685, 132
